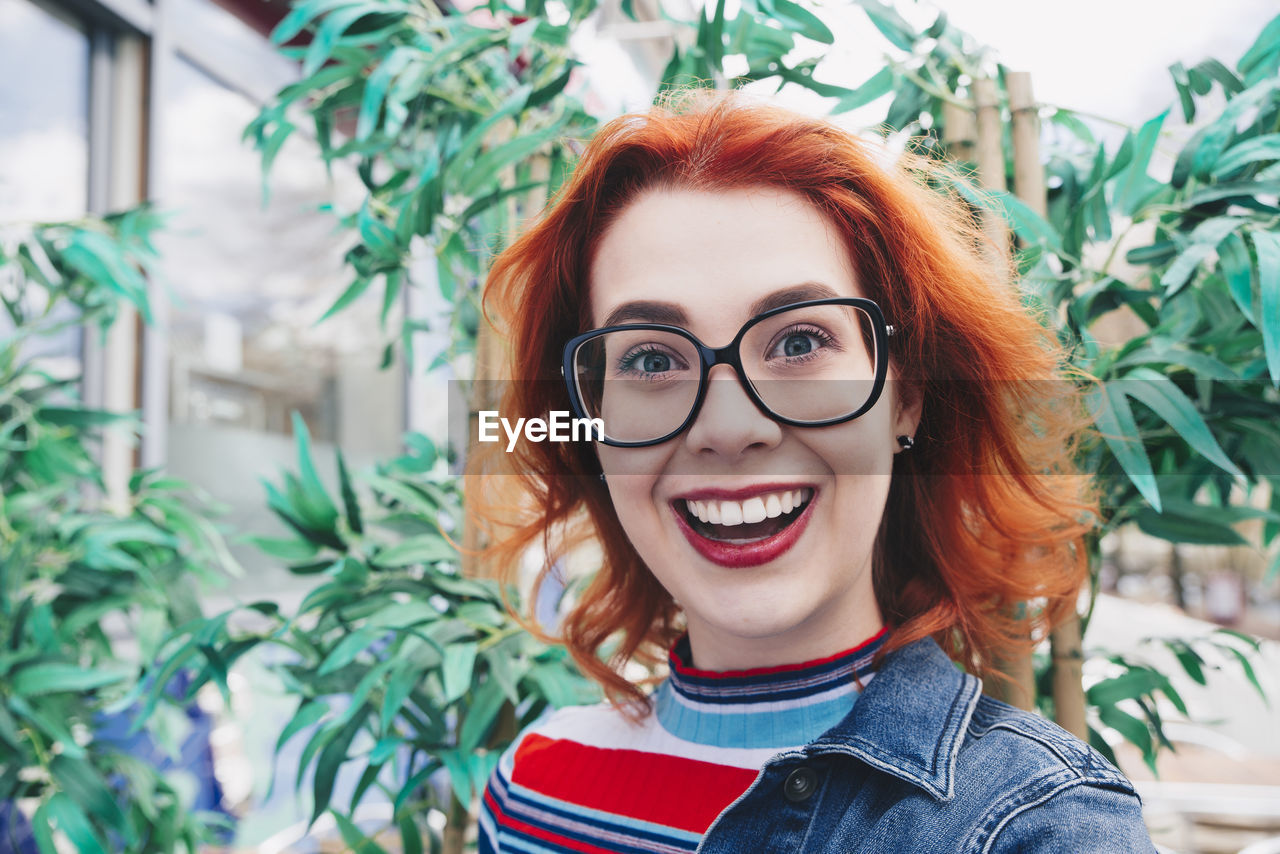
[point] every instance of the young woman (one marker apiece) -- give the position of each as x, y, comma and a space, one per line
836, 455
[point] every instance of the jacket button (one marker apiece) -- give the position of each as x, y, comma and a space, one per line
800, 785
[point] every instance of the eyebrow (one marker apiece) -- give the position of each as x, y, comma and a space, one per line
653, 311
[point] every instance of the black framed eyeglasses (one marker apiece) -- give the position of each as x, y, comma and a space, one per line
807, 364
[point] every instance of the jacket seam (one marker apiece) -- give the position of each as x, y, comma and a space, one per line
1004, 822
1047, 796
1046, 742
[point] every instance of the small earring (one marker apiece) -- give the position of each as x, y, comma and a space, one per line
602, 480
906, 442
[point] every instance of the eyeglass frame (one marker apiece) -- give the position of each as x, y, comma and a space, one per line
730, 354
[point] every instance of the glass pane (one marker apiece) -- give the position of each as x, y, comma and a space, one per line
250, 284
44, 143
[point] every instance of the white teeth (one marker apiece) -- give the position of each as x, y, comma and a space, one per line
754, 509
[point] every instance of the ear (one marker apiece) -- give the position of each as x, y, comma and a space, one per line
908, 408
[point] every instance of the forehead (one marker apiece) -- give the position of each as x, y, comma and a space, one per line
715, 257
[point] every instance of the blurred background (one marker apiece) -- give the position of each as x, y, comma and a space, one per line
183, 104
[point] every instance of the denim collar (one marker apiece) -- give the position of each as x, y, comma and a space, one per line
911, 719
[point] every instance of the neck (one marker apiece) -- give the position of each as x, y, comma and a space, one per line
717, 650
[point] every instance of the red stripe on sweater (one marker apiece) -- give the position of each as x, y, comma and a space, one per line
668, 790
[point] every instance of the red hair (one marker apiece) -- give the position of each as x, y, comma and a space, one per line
987, 509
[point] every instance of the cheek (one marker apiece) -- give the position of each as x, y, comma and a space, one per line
862, 447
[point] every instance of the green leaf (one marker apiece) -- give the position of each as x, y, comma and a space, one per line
309, 712
1257, 149
1176, 527
64, 813
1265, 46
427, 548
876, 86
1204, 242
357, 842
410, 837
1223, 128
345, 651
1190, 660
459, 775
301, 15
1249, 673
39, 679
1267, 245
290, 549
1114, 420
459, 664
1133, 730
489, 164
375, 88
1027, 224
83, 784
1212, 68
317, 498
401, 684
349, 500
481, 714
327, 34
1135, 186
1167, 400
798, 19
331, 758
353, 292
1233, 190
890, 24
1127, 686
1237, 267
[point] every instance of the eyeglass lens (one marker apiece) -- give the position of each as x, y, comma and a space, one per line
809, 364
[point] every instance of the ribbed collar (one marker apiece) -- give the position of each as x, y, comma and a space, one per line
771, 707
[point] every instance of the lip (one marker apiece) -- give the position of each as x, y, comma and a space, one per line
740, 556
742, 493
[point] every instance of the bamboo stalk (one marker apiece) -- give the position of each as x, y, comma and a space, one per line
990, 159
1028, 175
959, 130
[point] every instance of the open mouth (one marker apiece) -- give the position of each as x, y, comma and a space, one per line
744, 522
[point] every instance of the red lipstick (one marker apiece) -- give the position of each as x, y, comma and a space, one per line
742, 555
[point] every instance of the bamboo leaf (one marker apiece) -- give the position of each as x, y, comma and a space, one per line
1167, 400
1267, 245
459, 664
428, 548
1114, 420
876, 86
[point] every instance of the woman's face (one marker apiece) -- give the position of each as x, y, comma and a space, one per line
802, 592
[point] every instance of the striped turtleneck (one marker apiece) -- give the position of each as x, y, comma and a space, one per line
586, 779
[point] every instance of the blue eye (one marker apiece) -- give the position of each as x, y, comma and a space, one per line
649, 361
800, 342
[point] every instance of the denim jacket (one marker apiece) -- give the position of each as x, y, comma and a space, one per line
927, 763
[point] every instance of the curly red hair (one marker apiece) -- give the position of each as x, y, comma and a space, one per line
988, 508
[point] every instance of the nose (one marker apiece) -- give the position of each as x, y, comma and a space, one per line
728, 422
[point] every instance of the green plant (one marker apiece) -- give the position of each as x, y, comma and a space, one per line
401, 666
87, 592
